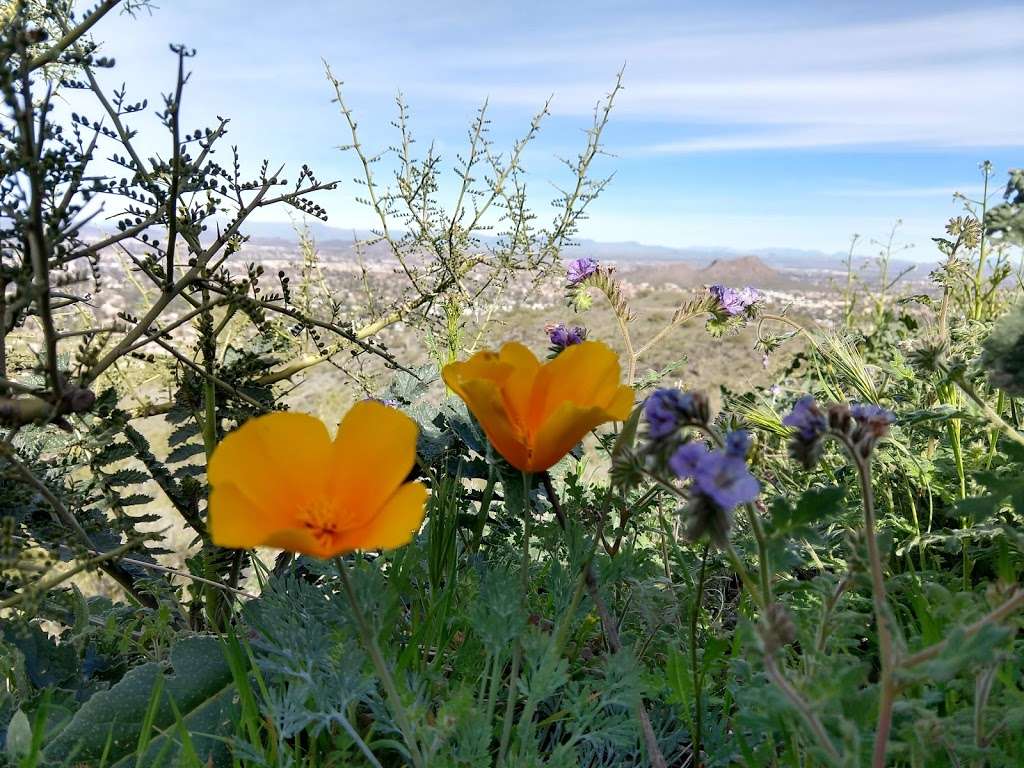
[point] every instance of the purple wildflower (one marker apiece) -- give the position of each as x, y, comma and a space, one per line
738, 443
806, 419
720, 477
721, 482
580, 269
390, 402
732, 302
685, 461
749, 296
666, 410
725, 480
873, 422
874, 418
562, 336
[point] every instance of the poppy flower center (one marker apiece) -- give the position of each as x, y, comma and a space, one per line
320, 518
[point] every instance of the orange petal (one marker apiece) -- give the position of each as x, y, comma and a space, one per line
563, 429
621, 404
394, 525
372, 454
485, 402
303, 541
278, 459
517, 389
586, 375
237, 521
486, 365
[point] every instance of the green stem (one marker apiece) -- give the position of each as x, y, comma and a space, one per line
801, 706
741, 570
987, 409
694, 670
993, 437
882, 611
369, 640
980, 272
485, 507
517, 654
764, 567
954, 430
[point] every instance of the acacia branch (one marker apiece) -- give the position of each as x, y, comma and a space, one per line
64, 516
72, 36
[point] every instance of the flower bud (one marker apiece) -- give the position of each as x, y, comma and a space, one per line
839, 418
776, 628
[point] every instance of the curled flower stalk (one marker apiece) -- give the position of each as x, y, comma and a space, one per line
720, 478
857, 429
727, 309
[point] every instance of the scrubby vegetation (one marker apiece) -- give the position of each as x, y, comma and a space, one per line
820, 568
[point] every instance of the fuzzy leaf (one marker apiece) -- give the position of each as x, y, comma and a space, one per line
200, 685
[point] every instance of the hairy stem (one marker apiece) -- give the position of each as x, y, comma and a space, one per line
698, 601
880, 603
369, 640
990, 413
808, 715
1010, 606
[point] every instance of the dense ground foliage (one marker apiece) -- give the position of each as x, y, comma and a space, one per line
824, 571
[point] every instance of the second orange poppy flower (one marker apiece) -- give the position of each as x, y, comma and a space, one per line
534, 413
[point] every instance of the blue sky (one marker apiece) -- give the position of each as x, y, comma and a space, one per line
744, 125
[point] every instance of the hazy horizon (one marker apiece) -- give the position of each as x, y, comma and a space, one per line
738, 127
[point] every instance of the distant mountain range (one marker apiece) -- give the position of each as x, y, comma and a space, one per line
337, 241
634, 251
327, 236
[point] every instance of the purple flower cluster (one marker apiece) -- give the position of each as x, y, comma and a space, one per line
863, 425
732, 302
807, 419
873, 419
562, 336
580, 269
666, 410
873, 422
737, 443
720, 477
809, 424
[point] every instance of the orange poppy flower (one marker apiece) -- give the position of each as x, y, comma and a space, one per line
534, 413
280, 481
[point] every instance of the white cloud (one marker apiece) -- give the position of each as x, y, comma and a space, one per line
910, 193
934, 81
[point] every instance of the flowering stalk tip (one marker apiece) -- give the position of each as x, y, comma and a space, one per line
580, 269
562, 336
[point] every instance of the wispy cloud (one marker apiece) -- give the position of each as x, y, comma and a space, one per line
910, 193
930, 80
742, 123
